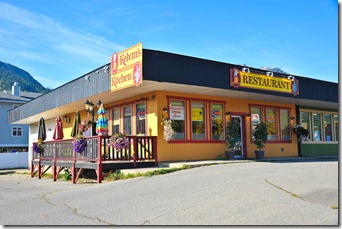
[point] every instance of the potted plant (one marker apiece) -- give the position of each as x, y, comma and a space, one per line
259, 139
232, 138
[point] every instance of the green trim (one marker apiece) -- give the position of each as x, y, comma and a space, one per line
317, 109
313, 149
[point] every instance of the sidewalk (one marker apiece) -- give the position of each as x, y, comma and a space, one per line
178, 164
168, 165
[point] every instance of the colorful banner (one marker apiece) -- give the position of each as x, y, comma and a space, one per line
262, 82
126, 68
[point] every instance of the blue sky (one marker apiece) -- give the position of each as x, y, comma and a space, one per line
59, 40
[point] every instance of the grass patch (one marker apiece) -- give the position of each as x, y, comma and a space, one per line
292, 194
334, 207
117, 175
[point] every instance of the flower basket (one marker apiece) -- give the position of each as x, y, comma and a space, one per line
119, 141
80, 144
84, 126
303, 134
38, 147
168, 130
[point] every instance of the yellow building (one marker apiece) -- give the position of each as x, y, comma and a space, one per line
141, 88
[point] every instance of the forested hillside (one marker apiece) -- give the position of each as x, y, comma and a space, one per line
10, 74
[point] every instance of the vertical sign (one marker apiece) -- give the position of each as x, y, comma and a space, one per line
126, 68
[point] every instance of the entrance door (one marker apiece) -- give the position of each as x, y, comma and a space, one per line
239, 152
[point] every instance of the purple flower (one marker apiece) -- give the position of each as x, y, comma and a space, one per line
80, 145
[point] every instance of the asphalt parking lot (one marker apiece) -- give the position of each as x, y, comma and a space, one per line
254, 193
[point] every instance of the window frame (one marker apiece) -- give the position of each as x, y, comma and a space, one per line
123, 119
332, 114
185, 118
119, 112
204, 120
278, 120
15, 129
211, 123
188, 118
136, 119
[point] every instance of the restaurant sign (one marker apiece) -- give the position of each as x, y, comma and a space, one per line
126, 68
258, 81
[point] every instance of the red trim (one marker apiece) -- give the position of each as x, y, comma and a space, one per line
194, 99
278, 124
131, 102
244, 129
185, 115
197, 141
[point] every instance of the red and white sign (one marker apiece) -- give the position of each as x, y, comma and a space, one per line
176, 113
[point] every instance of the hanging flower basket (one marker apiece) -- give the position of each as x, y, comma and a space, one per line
80, 144
38, 147
168, 130
303, 134
84, 125
119, 141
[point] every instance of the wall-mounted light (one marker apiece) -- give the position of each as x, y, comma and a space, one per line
227, 113
165, 113
248, 115
293, 120
245, 69
269, 74
291, 77
105, 69
66, 119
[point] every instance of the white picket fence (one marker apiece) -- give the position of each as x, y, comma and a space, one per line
14, 160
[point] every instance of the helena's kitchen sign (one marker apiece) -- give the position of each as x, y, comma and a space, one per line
126, 68
262, 82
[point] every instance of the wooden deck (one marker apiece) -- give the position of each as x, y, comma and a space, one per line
99, 155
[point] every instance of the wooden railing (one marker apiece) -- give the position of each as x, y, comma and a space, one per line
58, 153
141, 148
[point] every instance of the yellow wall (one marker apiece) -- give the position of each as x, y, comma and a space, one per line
198, 151
189, 150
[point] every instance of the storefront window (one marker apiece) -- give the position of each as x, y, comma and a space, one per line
256, 117
271, 124
305, 121
177, 115
127, 120
258, 111
336, 127
198, 121
285, 125
141, 118
116, 121
327, 127
317, 127
217, 122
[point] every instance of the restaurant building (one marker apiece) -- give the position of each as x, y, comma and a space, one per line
141, 87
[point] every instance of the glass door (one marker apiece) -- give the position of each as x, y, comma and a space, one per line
239, 152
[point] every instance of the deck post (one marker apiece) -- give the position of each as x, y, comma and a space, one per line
32, 165
99, 160
155, 151
135, 149
73, 169
54, 176
39, 167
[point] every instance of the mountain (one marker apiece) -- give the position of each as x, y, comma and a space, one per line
276, 69
10, 74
